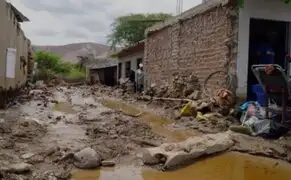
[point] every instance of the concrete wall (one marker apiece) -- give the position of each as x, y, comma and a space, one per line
11, 37
263, 9
133, 61
196, 44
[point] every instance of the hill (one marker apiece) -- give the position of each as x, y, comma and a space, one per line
69, 52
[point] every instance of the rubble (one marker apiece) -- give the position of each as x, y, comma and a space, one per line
172, 155
87, 159
31, 133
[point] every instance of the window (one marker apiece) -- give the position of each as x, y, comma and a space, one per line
127, 69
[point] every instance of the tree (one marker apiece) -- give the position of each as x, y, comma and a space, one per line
87, 55
128, 30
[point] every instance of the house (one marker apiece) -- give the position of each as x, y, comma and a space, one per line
205, 38
14, 48
129, 59
103, 70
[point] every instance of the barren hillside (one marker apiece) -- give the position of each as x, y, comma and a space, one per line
70, 52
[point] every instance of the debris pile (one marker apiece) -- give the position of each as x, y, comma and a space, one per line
181, 87
107, 135
171, 155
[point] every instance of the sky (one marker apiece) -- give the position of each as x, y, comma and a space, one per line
59, 22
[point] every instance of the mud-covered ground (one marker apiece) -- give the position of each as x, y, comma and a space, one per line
42, 131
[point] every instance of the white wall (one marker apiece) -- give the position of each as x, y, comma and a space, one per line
264, 9
133, 62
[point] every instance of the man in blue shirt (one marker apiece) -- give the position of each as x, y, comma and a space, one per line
265, 51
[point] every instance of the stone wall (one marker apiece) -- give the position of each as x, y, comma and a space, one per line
197, 45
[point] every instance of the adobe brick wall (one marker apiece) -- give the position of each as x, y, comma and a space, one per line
200, 45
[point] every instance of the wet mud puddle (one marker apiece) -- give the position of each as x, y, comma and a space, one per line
228, 166
158, 123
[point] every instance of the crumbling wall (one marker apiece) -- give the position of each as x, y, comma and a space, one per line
193, 46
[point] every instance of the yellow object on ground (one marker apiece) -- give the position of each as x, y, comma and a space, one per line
201, 117
189, 110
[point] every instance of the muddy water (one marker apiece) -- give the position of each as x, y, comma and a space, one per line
64, 107
229, 166
158, 123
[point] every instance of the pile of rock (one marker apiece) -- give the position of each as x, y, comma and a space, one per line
181, 87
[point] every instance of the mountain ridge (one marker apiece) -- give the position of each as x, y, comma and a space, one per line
69, 52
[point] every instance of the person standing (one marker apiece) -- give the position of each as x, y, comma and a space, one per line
266, 51
132, 79
139, 78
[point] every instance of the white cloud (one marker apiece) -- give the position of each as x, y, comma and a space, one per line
54, 22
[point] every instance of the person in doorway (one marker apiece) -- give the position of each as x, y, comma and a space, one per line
132, 79
265, 52
139, 78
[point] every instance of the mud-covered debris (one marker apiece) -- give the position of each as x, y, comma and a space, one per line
4, 126
175, 154
108, 163
27, 155
87, 159
19, 168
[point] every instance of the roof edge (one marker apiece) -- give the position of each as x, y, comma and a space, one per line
201, 8
121, 52
19, 16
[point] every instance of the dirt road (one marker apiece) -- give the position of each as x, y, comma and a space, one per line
40, 135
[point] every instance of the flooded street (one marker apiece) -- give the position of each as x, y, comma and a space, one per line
43, 135
229, 166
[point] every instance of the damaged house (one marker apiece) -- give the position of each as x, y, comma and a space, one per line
15, 51
102, 70
216, 35
129, 59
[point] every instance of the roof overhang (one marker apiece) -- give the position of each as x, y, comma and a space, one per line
138, 47
19, 16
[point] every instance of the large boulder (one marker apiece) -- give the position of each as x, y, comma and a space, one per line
174, 154
87, 159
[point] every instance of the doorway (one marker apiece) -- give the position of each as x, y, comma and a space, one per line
259, 30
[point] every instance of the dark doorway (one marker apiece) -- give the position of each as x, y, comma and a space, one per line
119, 70
110, 76
127, 69
259, 28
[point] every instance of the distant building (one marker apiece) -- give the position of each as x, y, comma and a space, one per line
129, 58
102, 70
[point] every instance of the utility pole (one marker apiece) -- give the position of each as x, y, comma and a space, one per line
179, 7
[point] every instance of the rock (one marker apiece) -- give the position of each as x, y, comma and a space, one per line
50, 151
87, 158
108, 163
4, 128
35, 91
174, 154
19, 168
27, 155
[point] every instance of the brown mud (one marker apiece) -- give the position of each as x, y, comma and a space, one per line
228, 166
45, 127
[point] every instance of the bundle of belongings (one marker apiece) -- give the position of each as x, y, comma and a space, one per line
254, 123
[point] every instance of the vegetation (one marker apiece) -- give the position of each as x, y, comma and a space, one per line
50, 66
130, 29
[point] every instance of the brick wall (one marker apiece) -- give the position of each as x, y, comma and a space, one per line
198, 45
